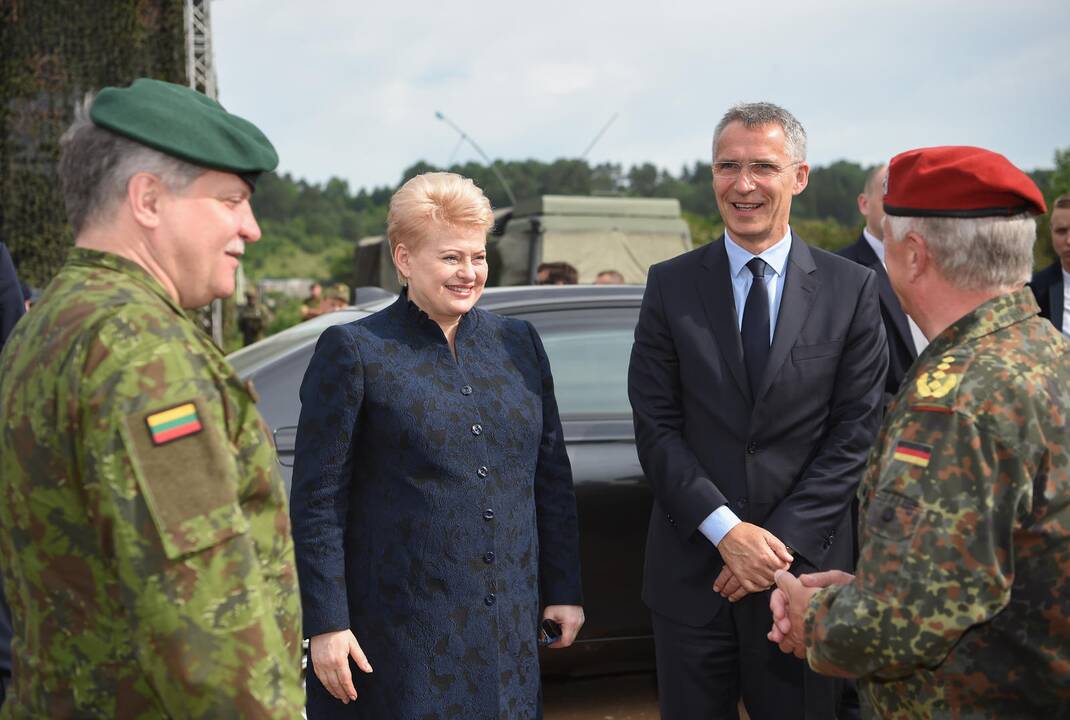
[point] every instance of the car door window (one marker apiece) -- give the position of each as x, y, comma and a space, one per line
588, 350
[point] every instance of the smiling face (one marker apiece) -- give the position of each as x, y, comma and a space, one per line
202, 234
446, 271
756, 211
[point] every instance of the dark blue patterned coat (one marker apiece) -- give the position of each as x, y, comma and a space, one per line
432, 504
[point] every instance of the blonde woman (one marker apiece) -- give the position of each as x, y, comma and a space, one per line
432, 503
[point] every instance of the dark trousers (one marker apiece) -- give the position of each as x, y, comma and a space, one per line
703, 672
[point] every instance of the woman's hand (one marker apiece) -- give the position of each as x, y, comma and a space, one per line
330, 660
569, 617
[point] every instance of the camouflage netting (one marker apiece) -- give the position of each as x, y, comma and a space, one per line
51, 54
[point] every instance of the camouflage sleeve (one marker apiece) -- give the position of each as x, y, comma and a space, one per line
162, 475
937, 553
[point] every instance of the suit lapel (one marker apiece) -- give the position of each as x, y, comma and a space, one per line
795, 302
888, 297
1055, 297
715, 289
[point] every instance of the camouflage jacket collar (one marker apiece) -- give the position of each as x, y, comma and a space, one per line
986, 318
96, 259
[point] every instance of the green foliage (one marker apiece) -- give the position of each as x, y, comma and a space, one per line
51, 54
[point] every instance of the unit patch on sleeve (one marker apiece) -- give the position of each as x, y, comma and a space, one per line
174, 423
913, 453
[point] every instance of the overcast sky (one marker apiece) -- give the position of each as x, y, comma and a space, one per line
350, 89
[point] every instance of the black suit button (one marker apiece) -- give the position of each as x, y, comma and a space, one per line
752, 447
490, 600
742, 502
477, 429
488, 514
888, 515
482, 471
466, 390
488, 558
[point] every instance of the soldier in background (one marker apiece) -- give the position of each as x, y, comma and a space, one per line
253, 318
312, 306
556, 273
961, 602
609, 277
144, 536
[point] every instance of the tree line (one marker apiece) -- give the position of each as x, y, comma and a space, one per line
312, 228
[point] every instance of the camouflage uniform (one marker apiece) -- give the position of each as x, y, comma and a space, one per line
146, 545
961, 603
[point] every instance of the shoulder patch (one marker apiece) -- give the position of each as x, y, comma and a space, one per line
174, 423
938, 382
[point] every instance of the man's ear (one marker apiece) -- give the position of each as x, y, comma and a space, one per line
919, 259
143, 193
802, 178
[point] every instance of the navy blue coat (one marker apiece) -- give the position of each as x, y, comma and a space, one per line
432, 505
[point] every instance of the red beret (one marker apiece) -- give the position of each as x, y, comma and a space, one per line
964, 182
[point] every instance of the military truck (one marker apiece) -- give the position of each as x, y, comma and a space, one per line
590, 233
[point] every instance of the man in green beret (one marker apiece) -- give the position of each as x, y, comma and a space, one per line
144, 534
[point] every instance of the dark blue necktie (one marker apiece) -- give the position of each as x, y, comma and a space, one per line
755, 329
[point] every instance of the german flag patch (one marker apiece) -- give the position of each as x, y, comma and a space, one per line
913, 453
170, 425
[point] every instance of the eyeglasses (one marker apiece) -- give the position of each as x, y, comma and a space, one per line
757, 170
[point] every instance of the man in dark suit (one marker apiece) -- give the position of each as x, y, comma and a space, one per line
1051, 286
756, 382
12, 307
905, 339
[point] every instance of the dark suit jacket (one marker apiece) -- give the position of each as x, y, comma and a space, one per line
901, 351
789, 459
11, 303
433, 512
1047, 286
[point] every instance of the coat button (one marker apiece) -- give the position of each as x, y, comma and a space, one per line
477, 429
742, 502
488, 514
888, 515
752, 447
466, 390
482, 471
488, 558
489, 600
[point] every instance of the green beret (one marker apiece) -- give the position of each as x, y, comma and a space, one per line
186, 124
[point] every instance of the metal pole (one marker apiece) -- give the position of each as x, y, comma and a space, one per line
486, 160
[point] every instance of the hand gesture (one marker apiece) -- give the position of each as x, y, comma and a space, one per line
330, 660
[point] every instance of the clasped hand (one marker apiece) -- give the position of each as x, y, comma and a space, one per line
752, 555
788, 604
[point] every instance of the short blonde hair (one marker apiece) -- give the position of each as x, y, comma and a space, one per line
435, 199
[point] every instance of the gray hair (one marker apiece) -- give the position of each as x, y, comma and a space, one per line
975, 254
754, 115
95, 167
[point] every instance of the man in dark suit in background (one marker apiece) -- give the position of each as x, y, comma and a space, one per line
12, 307
756, 383
1051, 286
905, 339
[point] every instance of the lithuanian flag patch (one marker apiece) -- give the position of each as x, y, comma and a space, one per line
913, 453
174, 423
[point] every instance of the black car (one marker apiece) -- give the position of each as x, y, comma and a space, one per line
587, 331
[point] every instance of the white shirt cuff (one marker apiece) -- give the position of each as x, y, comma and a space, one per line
718, 523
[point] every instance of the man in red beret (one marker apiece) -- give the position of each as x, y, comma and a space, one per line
961, 602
